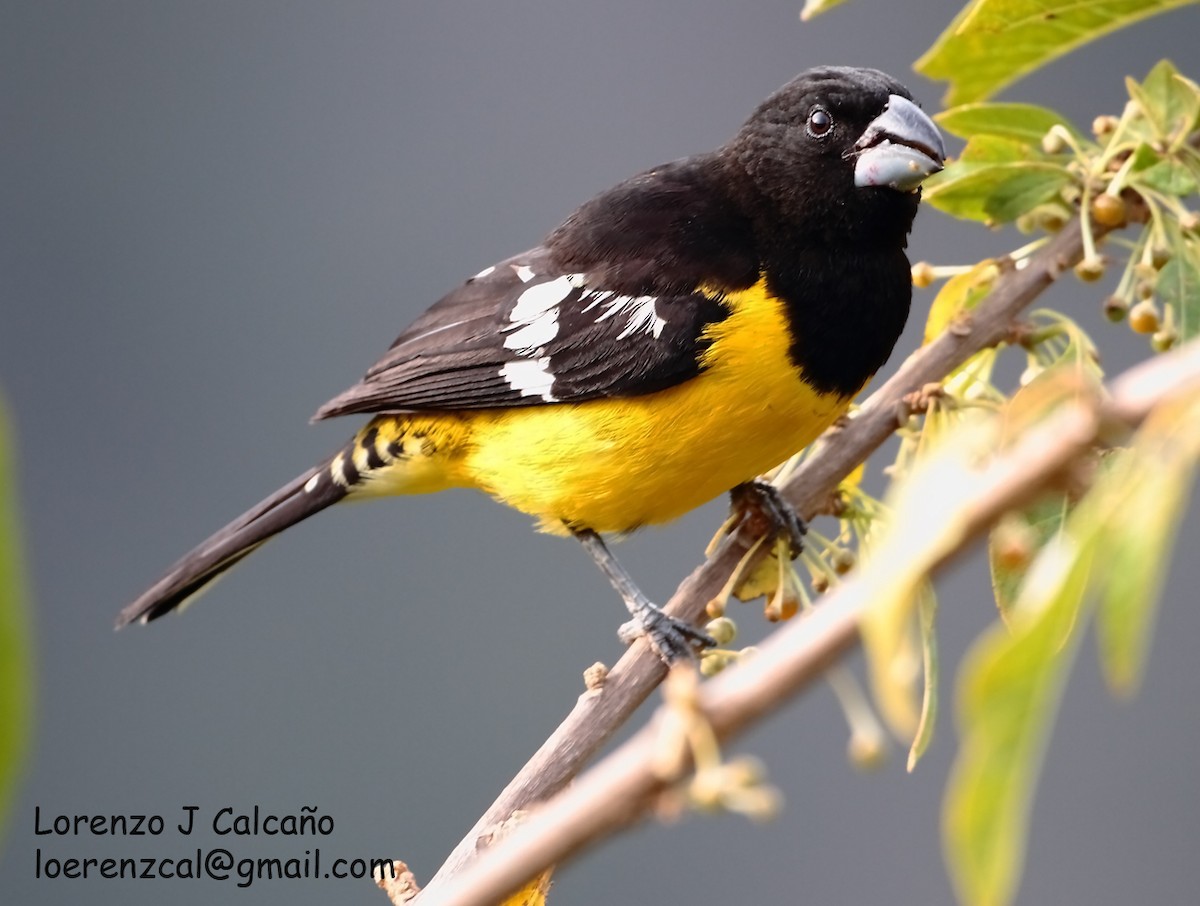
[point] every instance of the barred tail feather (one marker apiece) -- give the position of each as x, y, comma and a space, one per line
309, 493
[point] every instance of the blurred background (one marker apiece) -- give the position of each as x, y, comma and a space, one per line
214, 217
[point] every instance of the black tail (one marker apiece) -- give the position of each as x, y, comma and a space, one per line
310, 493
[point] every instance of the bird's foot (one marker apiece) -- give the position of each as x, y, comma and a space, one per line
672, 639
761, 508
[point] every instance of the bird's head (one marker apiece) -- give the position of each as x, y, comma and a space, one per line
839, 152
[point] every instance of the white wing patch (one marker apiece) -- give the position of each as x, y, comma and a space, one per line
639, 309
533, 321
530, 377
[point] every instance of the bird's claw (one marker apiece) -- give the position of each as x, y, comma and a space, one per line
672, 639
761, 507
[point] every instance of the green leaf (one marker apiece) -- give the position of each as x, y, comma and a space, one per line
996, 149
1137, 554
994, 192
993, 43
1015, 542
1009, 690
927, 621
1194, 90
15, 672
814, 8
1169, 176
1011, 681
1168, 102
1178, 284
1025, 123
1144, 157
1153, 479
996, 179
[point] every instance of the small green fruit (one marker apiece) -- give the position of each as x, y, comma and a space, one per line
1089, 270
1116, 308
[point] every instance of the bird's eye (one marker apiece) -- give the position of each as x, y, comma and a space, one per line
819, 122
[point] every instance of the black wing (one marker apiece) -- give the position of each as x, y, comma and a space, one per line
610, 306
514, 336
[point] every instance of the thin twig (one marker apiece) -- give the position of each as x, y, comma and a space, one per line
598, 714
623, 786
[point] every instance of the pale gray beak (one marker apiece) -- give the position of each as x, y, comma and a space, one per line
899, 149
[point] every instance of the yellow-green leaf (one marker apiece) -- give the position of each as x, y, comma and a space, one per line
814, 8
1153, 478
1138, 553
998, 149
1015, 542
1168, 102
1179, 284
924, 526
1021, 122
764, 578
1011, 682
1064, 368
959, 295
16, 692
972, 380
927, 622
1009, 690
1168, 175
1144, 156
993, 191
993, 43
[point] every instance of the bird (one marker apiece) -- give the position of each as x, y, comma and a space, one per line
676, 336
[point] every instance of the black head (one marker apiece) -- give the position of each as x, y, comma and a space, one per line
837, 153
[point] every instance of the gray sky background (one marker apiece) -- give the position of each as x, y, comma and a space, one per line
214, 217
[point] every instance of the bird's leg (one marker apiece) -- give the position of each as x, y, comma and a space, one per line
760, 500
672, 639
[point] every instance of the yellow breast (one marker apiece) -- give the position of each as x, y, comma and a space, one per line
613, 465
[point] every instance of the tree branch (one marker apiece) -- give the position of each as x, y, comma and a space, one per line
598, 714
626, 784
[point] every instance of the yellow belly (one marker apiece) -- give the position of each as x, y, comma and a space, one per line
616, 464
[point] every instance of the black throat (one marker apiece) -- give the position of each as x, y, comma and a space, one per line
834, 254
846, 309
